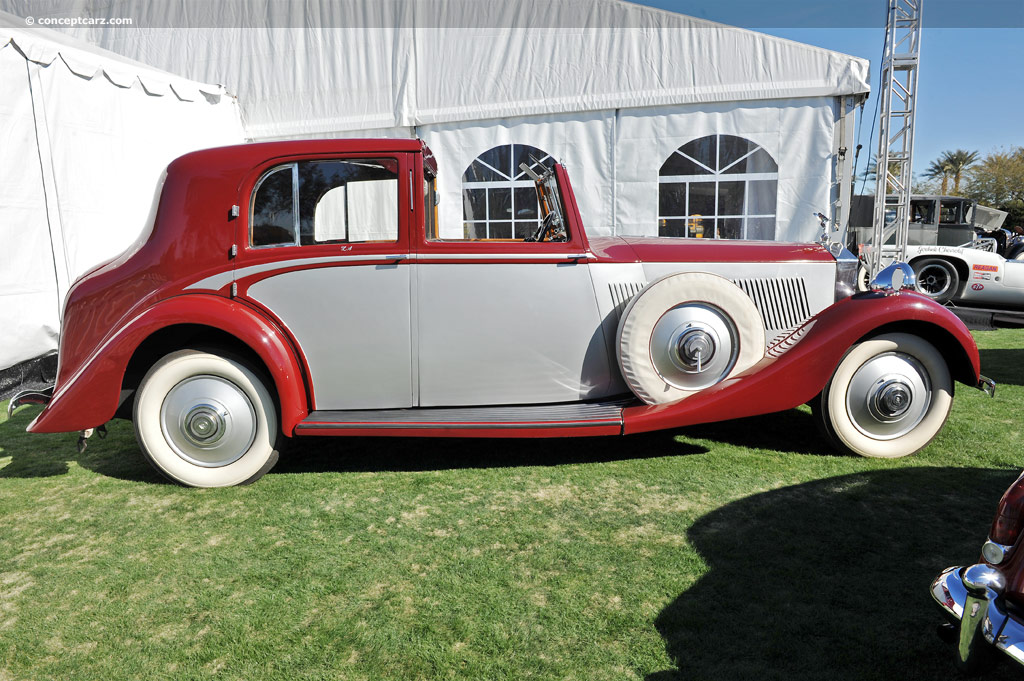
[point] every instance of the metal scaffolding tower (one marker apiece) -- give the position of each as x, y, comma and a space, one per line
896, 131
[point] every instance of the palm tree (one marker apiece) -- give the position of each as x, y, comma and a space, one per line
951, 165
941, 168
959, 161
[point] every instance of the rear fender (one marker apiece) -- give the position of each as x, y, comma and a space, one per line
799, 367
90, 397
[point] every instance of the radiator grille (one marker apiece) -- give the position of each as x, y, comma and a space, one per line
782, 302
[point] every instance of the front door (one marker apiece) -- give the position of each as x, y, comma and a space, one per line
503, 319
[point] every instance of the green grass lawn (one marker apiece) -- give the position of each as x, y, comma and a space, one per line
741, 550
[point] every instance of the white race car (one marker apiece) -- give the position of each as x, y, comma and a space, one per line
973, 274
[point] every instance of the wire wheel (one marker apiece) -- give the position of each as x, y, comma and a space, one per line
937, 279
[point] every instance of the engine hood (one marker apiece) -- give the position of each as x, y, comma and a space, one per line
654, 249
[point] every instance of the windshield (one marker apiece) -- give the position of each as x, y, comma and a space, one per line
552, 222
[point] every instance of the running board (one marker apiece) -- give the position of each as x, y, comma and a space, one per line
549, 420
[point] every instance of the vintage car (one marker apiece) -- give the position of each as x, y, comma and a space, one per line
307, 288
985, 601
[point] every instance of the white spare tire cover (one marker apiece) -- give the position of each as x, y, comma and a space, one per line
686, 332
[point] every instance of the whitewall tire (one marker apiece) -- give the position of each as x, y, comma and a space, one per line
888, 398
206, 420
686, 332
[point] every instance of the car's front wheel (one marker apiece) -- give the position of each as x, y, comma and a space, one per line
206, 420
888, 398
937, 279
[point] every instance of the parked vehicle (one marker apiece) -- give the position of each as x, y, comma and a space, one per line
308, 288
957, 248
985, 601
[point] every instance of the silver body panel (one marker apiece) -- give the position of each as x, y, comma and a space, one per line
353, 324
440, 334
509, 333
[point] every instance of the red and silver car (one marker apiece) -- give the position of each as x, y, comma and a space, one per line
985, 601
307, 288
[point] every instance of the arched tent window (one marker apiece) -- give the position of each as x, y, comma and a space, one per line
499, 201
719, 186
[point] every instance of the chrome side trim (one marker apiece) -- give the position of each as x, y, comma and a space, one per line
221, 279
427, 257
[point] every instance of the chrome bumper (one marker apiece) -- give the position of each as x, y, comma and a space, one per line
987, 386
985, 609
29, 397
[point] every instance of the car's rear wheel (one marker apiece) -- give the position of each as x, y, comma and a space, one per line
888, 398
206, 420
937, 279
686, 332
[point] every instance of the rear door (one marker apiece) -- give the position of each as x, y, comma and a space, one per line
327, 254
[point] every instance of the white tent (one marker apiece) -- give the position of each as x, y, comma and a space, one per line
84, 136
610, 88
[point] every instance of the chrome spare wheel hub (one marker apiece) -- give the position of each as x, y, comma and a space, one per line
208, 421
694, 346
888, 396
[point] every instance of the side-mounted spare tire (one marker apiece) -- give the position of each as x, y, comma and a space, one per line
686, 332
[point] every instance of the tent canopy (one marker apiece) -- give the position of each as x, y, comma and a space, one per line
86, 137
308, 69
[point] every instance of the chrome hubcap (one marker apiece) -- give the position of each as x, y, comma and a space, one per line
204, 425
888, 396
891, 400
208, 421
694, 346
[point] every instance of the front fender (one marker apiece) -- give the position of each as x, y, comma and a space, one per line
799, 367
90, 397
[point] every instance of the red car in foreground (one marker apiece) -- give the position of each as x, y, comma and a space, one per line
307, 288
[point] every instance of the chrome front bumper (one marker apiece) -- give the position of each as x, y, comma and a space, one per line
985, 609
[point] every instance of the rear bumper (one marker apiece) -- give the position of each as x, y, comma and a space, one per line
999, 627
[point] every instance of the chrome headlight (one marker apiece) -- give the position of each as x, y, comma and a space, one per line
847, 266
894, 278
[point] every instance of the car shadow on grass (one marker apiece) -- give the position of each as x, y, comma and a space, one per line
36, 455
316, 454
118, 456
829, 579
1005, 367
793, 431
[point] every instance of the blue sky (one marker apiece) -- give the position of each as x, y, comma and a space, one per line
970, 86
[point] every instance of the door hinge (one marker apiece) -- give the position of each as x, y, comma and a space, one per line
233, 213
233, 251
234, 289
